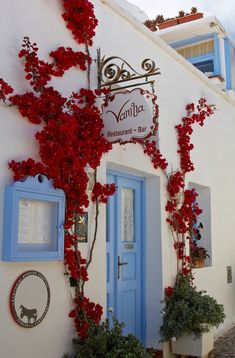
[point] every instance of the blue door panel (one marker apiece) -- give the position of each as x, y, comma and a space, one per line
129, 273
128, 313
110, 239
108, 267
124, 252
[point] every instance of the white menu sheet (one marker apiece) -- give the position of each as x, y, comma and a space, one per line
35, 221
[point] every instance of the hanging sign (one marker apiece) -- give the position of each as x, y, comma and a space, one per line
129, 115
29, 299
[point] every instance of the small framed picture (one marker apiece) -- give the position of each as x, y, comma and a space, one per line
81, 227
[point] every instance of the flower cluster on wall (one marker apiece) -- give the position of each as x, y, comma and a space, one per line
182, 206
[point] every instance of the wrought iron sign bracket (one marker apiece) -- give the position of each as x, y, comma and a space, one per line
115, 70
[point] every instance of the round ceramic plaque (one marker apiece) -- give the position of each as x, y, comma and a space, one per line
29, 299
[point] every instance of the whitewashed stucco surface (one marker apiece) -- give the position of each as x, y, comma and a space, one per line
178, 84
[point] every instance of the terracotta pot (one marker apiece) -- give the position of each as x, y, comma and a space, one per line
190, 17
197, 263
168, 23
180, 20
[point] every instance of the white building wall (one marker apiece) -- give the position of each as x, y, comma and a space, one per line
178, 84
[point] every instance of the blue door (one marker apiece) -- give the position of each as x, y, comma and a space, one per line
125, 224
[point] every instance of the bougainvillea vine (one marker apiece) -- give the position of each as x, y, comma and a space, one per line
182, 206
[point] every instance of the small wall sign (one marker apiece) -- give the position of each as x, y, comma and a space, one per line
29, 299
33, 221
229, 274
130, 115
81, 227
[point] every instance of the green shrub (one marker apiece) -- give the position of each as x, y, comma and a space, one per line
189, 311
107, 341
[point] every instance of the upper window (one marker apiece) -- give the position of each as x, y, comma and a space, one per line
205, 66
203, 48
202, 52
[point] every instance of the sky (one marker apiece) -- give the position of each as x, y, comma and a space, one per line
224, 10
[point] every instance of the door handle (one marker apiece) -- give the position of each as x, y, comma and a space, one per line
119, 265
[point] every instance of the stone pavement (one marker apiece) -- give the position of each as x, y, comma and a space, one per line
224, 346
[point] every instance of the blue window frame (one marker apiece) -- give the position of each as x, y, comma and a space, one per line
33, 221
203, 64
208, 63
229, 50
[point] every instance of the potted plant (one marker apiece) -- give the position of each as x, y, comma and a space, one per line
187, 17
107, 340
198, 255
188, 318
160, 22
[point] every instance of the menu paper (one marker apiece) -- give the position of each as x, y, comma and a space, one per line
35, 221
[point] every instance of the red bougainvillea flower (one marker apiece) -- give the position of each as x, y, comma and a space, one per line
169, 291
182, 206
5, 89
81, 20
150, 148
